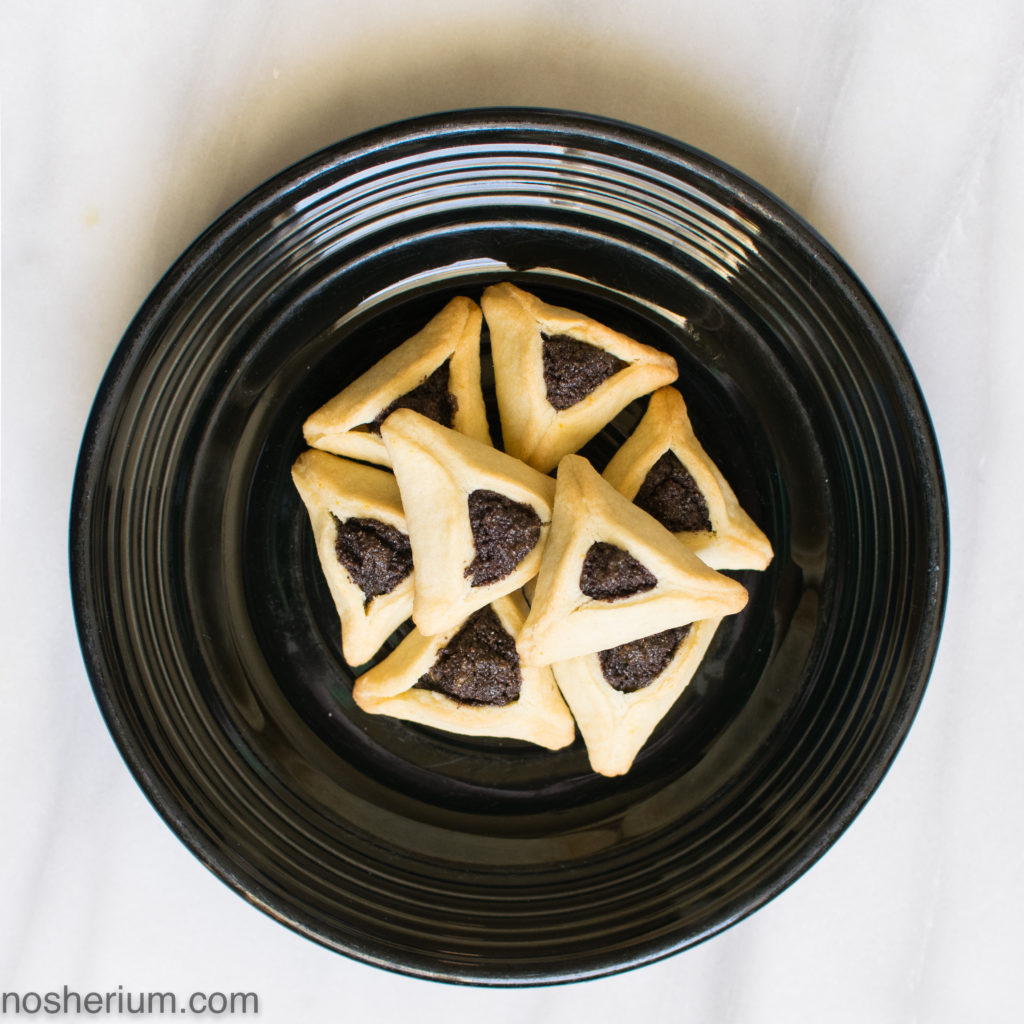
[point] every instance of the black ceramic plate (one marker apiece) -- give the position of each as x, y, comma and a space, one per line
214, 650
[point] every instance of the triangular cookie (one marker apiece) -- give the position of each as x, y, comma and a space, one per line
611, 573
363, 545
561, 376
663, 469
616, 719
477, 661
478, 519
436, 371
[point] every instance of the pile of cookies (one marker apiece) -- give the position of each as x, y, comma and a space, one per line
539, 603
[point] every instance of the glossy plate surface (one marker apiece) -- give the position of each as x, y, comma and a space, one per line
213, 646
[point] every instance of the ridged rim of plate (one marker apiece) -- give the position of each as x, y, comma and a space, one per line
355, 201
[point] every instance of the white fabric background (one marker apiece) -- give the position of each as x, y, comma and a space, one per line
896, 128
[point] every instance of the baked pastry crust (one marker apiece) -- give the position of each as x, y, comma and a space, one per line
565, 623
734, 541
614, 725
331, 486
437, 469
453, 335
532, 428
538, 715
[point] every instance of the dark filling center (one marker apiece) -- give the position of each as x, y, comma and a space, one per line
572, 369
479, 665
630, 667
504, 533
670, 494
609, 573
431, 398
377, 556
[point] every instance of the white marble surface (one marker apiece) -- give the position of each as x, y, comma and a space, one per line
896, 128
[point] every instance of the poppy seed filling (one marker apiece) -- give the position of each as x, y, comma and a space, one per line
574, 368
431, 397
671, 495
479, 665
610, 573
504, 533
635, 665
377, 556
